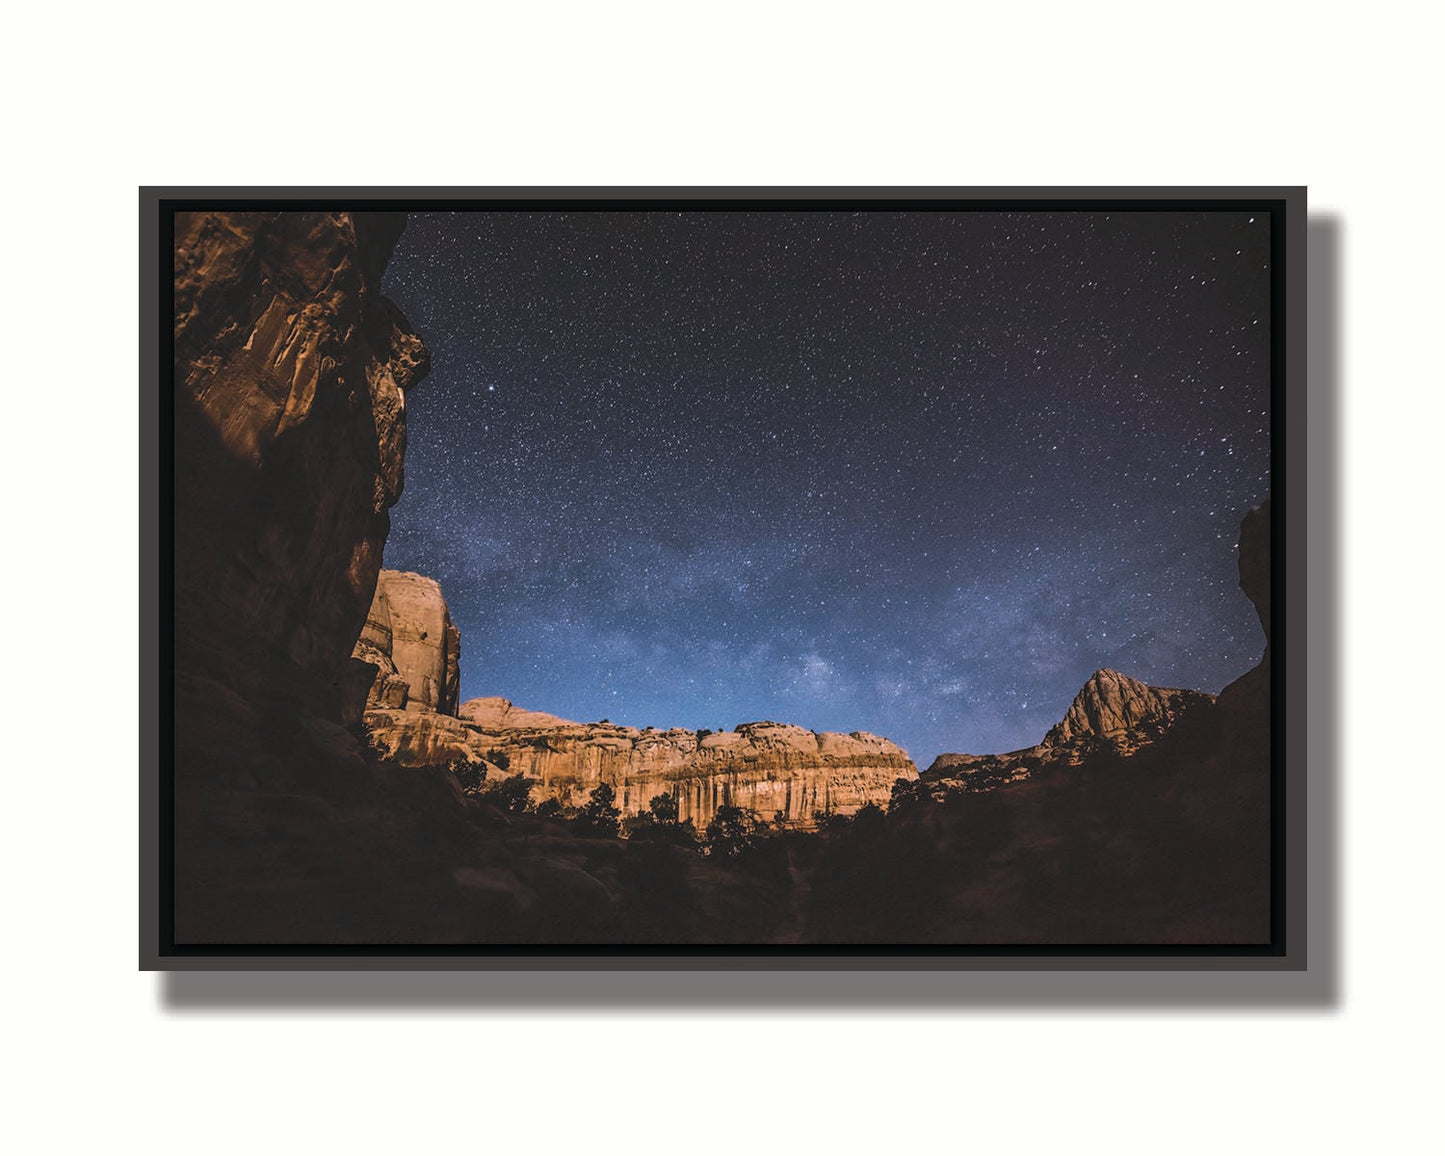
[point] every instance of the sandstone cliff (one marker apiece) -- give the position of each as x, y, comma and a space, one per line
410, 639
765, 767
1111, 712
1116, 707
290, 370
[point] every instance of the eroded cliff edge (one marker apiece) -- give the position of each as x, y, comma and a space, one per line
410, 640
290, 375
771, 769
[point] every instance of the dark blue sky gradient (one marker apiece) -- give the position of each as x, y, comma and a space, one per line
912, 473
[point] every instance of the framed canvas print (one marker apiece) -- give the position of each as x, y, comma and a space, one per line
726, 575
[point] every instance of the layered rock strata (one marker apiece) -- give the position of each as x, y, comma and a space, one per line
410, 640
768, 768
289, 378
1247, 699
1111, 712
1121, 709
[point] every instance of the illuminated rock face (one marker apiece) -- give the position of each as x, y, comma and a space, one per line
410, 639
1122, 715
289, 375
1114, 706
765, 767
1111, 712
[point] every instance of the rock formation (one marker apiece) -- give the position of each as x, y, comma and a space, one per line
1111, 712
1246, 701
1122, 715
1254, 567
769, 768
410, 639
764, 767
1119, 708
290, 371
1144, 819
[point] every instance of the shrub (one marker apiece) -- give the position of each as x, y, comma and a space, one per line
514, 793
469, 776
868, 820
729, 832
600, 817
643, 827
905, 793
663, 808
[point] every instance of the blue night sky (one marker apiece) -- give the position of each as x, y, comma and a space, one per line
912, 473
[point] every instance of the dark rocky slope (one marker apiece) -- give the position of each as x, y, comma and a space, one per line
1164, 841
289, 433
1111, 713
290, 374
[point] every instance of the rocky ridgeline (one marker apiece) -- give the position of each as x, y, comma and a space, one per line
1121, 710
1119, 715
1112, 712
766, 767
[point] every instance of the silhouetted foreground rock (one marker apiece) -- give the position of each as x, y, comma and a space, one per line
290, 429
1156, 833
1147, 823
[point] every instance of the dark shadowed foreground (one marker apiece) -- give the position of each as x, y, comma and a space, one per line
291, 828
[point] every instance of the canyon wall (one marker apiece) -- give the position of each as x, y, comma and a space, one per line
766, 767
290, 375
413, 717
410, 639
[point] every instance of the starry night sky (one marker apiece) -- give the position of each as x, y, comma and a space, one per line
912, 473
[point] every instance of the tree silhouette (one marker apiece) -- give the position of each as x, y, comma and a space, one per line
600, 816
469, 776
663, 808
868, 820
514, 793
728, 832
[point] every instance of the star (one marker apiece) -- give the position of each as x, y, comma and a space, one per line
896, 447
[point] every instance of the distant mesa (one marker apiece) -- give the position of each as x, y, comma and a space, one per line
767, 767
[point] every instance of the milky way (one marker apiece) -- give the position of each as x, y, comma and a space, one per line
913, 473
